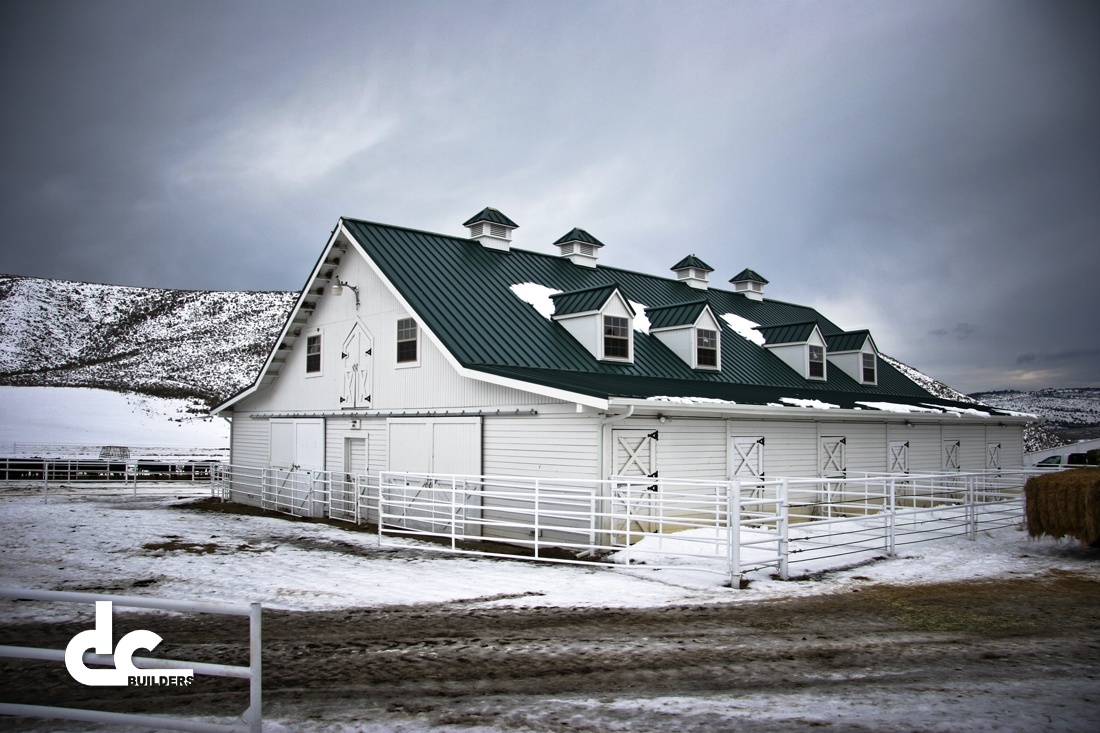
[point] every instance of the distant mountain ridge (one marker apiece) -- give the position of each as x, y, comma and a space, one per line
171, 343
208, 345
1073, 413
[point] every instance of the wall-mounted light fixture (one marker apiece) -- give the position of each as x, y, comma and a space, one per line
908, 424
338, 288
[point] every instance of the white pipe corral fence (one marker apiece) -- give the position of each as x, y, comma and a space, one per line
252, 718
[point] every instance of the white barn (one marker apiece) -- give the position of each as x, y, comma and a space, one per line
415, 351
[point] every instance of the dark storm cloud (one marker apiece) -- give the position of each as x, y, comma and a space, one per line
928, 170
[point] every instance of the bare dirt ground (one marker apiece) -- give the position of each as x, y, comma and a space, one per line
1012, 654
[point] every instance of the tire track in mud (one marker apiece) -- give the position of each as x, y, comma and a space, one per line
445, 663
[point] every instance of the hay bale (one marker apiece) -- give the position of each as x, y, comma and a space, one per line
1065, 504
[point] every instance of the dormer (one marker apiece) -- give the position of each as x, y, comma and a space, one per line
601, 319
749, 284
579, 247
800, 345
691, 331
693, 271
492, 229
855, 354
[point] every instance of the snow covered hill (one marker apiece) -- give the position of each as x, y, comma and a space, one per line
1072, 413
169, 343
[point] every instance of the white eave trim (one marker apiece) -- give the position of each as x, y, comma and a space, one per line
793, 412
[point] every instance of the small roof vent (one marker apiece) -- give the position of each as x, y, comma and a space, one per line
749, 284
491, 229
693, 271
579, 247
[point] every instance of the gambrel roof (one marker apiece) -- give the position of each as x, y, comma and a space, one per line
468, 300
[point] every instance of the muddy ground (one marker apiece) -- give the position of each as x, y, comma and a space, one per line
1012, 654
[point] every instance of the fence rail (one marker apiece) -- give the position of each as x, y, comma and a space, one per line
726, 527
252, 718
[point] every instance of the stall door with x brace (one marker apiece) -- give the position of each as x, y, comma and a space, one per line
634, 453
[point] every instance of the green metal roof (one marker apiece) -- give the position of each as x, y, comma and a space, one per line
578, 235
679, 314
583, 301
748, 275
787, 333
492, 216
691, 261
461, 291
848, 340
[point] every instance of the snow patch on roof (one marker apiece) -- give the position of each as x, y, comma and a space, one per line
960, 411
641, 323
691, 400
744, 328
895, 407
815, 404
538, 296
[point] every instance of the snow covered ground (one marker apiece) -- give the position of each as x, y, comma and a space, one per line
105, 540
84, 416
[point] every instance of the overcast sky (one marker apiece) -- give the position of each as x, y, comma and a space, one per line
927, 170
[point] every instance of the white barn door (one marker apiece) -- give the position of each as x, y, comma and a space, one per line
297, 460
898, 460
634, 454
993, 456
450, 445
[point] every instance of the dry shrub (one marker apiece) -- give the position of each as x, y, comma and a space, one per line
1065, 504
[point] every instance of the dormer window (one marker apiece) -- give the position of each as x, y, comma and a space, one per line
817, 362
600, 319
616, 337
690, 330
800, 345
706, 347
854, 353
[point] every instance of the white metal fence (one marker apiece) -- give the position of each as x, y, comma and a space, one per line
727, 527
251, 719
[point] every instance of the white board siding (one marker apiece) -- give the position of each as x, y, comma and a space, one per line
559, 446
249, 441
551, 445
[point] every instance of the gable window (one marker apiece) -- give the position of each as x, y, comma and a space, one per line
406, 341
313, 354
817, 362
706, 347
616, 337
869, 368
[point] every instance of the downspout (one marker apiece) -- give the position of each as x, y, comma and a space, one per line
603, 441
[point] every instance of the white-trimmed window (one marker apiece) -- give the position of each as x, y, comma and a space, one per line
313, 354
870, 375
817, 362
706, 348
616, 337
408, 338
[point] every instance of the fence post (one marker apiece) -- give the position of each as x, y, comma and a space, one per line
971, 510
538, 503
784, 516
733, 531
892, 519
255, 714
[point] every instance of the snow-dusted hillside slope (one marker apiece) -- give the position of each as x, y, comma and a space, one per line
1068, 408
175, 343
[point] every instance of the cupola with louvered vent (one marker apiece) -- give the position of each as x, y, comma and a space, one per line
491, 229
579, 247
749, 284
693, 271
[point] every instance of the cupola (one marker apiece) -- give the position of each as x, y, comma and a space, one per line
492, 229
693, 271
579, 247
749, 284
